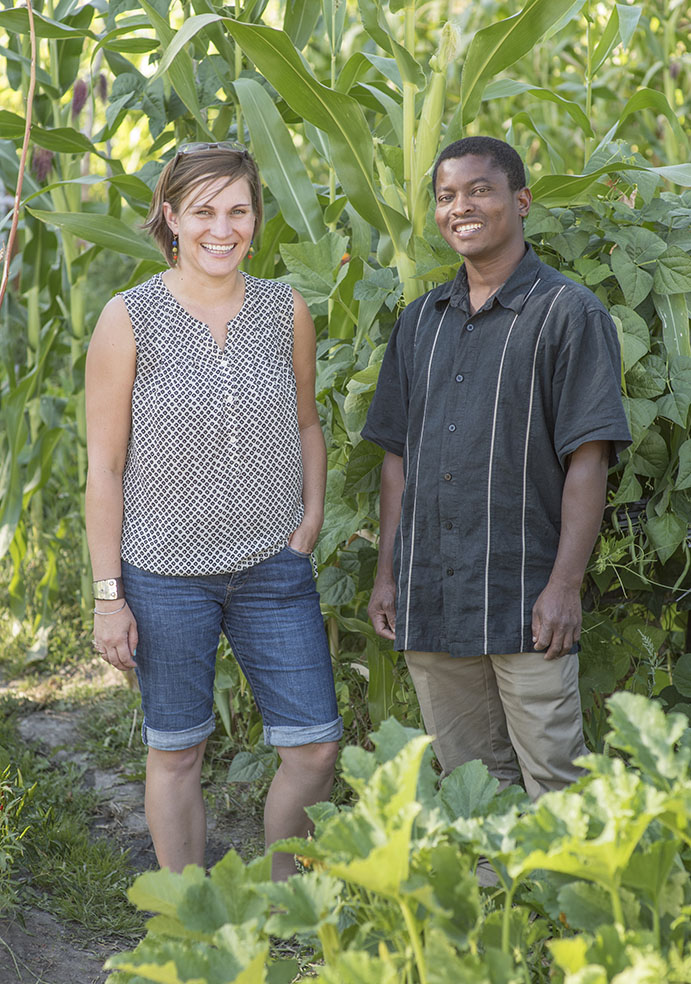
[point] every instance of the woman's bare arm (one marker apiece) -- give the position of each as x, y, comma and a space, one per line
110, 369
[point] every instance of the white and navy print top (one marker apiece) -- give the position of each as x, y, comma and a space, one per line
485, 410
213, 477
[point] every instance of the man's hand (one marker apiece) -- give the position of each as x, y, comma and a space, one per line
382, 607
557, 620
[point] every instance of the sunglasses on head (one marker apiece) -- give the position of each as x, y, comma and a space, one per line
194, 148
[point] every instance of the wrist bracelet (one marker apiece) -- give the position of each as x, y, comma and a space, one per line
114, 612
108, 589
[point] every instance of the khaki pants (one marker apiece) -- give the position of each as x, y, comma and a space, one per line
520, 714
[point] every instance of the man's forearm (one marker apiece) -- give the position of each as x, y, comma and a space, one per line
392, 485
557, 617
583, 504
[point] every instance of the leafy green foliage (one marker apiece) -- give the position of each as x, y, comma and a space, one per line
593, 879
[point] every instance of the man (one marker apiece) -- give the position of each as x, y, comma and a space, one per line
499, 408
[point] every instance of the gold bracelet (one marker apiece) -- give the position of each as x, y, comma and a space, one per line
114, 612
108, 589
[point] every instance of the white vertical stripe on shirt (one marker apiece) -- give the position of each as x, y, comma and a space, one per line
417, 473
489, 481
525, 458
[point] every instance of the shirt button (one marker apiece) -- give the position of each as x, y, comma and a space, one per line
229, 398
452, 427
447, 477
469, 327
459, 377
224, 361
232, 440
449, 571
449, 526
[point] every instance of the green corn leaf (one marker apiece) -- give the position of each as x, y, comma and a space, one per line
12, 125
177, 41
334, 12
338, 115
103, 230
179, 67
674, 315
375, 24
560, 189
381, 683
17, 22
299, 20
505, 88
655, 100
495, 48
619, 29
278, 161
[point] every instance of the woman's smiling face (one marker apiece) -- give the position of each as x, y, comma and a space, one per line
214, 227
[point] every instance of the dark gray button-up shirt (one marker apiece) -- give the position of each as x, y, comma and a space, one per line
485, 410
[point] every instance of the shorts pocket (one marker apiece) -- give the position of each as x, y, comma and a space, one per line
298, 553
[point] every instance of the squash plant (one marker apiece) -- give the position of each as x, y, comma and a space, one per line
594, 880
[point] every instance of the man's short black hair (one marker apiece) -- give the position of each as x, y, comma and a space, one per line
502, 154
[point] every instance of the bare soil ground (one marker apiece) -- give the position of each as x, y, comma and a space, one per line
35, 947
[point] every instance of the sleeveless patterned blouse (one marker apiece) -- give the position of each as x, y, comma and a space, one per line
213, 476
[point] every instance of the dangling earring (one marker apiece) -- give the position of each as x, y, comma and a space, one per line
174, 250
250, 251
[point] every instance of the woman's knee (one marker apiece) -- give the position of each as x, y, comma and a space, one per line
316, 758
180, 762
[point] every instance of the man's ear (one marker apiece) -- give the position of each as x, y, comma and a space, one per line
170, 217
525, 200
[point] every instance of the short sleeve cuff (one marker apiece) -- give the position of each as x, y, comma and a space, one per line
384, 441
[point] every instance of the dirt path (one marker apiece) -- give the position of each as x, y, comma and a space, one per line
36, 948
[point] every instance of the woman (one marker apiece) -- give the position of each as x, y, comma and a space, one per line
205, 498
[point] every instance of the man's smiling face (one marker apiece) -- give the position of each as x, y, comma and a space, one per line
477, 213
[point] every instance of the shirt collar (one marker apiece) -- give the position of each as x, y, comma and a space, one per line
511, 294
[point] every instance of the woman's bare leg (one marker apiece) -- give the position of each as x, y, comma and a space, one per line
174, 806
304, 777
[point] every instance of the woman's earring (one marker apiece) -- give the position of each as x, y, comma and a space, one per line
174, 250
250, 251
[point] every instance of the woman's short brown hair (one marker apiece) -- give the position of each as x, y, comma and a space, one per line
194, 167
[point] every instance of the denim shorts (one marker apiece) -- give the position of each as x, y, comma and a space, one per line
270, 615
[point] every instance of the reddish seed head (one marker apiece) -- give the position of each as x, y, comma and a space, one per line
79, 95
102, 87
42, 162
